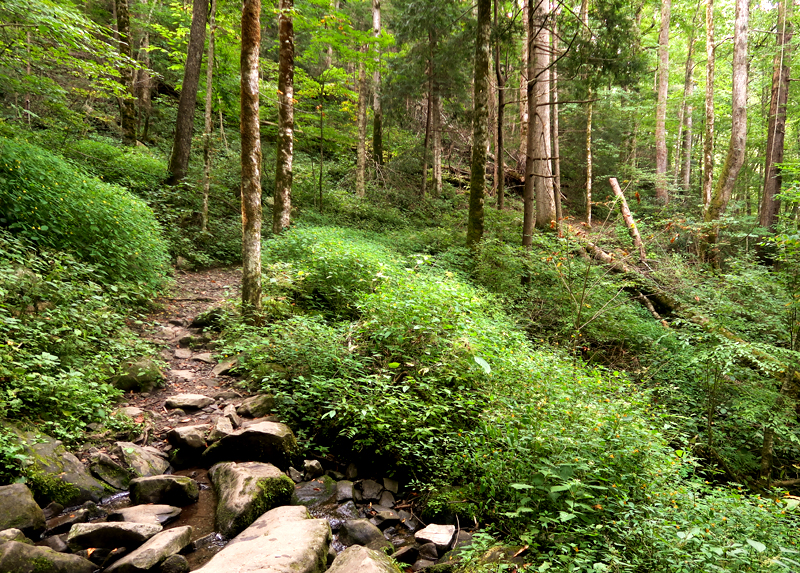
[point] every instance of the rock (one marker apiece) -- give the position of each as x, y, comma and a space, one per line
347, 510
204, 357
312, 469
385, 519
283, 539
19, 511
440, 535
213, 539
110, 535
256, 406
383, 545
131, 411
154, 551
164, 489
387, 499
183, 353
188, 437
18, 557
502, 554
188, 401
315, 492
56, 473
362, 560
212, 318
296, 476
338, 476
371, 490
143, 461
138, 376
269, 442
359, 532
175, 564
230, 412
53, 508
184, 375
55, 542
222, 427
156, 514
344, 490
63, 523
225, 366
422, 564
390, 485
351, 472
463, 539
428, 551
407, 519
245, 492
14, 534
109, 471
407, 554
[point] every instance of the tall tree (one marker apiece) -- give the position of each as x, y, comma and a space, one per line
480, 125
377, 117
539, 115
207, 115
683, 147
361, 120
143, 82
708, 132
776, 127
127, 103
251, 160
499, 150
662, 195
436, 128
737, 146
184, 124
554, 129
282, 203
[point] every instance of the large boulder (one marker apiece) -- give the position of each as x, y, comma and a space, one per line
157, 514
138, 376
245, 492
18, 557
283, 539
142, 461
269, 442
315, 492
256, 406
109, 471
358, 559
164, 489
14, 534
154, 551
18, 510
56, 473
110, 535
359, 532
439, 535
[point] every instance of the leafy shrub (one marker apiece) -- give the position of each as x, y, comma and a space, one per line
45, 200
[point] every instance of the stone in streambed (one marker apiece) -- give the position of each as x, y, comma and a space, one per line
230, 412
269, 442
188, 401
357, 559
370, 490
312, 468
157, 514
164, 489
344, 490
314, 492
222, 427
110, 535
14, 534
359, 532
256, 406
142, 461
18, 510
18, 557
283, 539
106, 469
245, 492
175, 564
440, 535
154, 551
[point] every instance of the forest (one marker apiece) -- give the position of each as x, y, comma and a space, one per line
537, 261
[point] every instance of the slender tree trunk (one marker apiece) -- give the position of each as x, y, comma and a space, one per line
184, 124
529, 188
251, 161
361, 120
662, 195
208, 124
480, 131
556, 143
589, 112
329, 53
284, 154
436, 128
523, 89
428, 114
127, 104
685, 114
708, 132
776, 129
540, 118
499, 170
144, 84
27, 104
377, 115
737, 147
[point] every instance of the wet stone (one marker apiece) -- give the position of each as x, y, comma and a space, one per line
390, 485
371, 490
296, 476
344, 490
387, 499
156, 513
188, 401
312, 469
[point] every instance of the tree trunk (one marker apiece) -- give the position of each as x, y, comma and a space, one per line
127, 103
27, 97
361, 120
144, 84
436, 128
589, 111
499, 151
708, 132
662, 195
284, 154
251, 161
737, 147
377, 112
184, 124
776, 130
540, 118
428, 114
208, 110
685, 114
686, 168
556, 143
523, 89
480, 131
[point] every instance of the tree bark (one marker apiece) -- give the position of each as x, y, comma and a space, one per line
361, 120
589, 111
251, 161
662, 195
540, 117
207, 117
556, 143
426, 145
708, 132
436, 128
480, 131
685, 114
776, 130
377, 115
499, 151
144, 84
633, 230
184, 124
523, 89
127, 104
282, 203
737, 147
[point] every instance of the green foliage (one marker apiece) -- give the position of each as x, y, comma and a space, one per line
49, 203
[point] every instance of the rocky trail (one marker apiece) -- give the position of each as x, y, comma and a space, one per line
209, 480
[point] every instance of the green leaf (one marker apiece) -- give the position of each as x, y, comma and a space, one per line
564, 516
484, 364
757, 545
393, 364
521, 486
